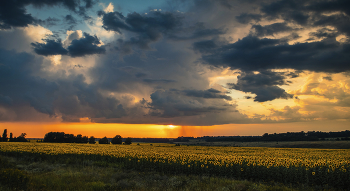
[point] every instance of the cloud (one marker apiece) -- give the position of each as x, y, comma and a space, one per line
13, 13
246, 18
70, 20
51, 47
209, 93
78, 47
20, 38
205, 46
148, 28
85, 46
263, 84
252, 54
270, 29
171, 104
156, 80
69, 97
197, 31
175, 67
310, 13
50, 21
19, 86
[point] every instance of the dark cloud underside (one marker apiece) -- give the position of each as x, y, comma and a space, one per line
78, 47
13, 13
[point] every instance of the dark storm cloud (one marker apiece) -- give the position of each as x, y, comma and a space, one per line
311, 13
246, 18
71, 97
196, 31
158, 81
339, 21
78, 47
167, 84
323, 33
13, 13
78, 99
85, 46
150, 25
263, 84
252, 54
51, 47
209, 93
205, 46
172, 104
5, 100
19, 87
148, 28
201, 33
270, 29
140, 75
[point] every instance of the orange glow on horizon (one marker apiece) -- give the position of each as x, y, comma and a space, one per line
98, 130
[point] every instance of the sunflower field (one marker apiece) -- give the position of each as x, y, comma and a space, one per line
328, 167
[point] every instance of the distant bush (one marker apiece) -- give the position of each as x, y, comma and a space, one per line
92, 140
104, 140
128, 141
21, 138
117, 140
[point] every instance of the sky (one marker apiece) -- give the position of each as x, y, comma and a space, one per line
174, 68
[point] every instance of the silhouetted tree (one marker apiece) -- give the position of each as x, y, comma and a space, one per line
78, 138
92, 140
128, 141
117, 140
54, 137
11, 137
84, 139
69, 138
104, 140
4, 136
21, 138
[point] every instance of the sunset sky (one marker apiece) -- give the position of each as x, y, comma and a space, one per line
174, 68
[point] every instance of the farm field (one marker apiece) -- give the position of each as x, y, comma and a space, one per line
331, 144
320, 168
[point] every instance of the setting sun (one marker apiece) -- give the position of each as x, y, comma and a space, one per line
172, 126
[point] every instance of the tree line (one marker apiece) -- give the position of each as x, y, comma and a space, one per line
21, 138
61, 137
289, 136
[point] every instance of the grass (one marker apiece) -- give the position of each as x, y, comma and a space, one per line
96, 175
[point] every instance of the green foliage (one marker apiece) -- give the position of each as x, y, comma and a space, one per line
104, 140
14, 178
117, 140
